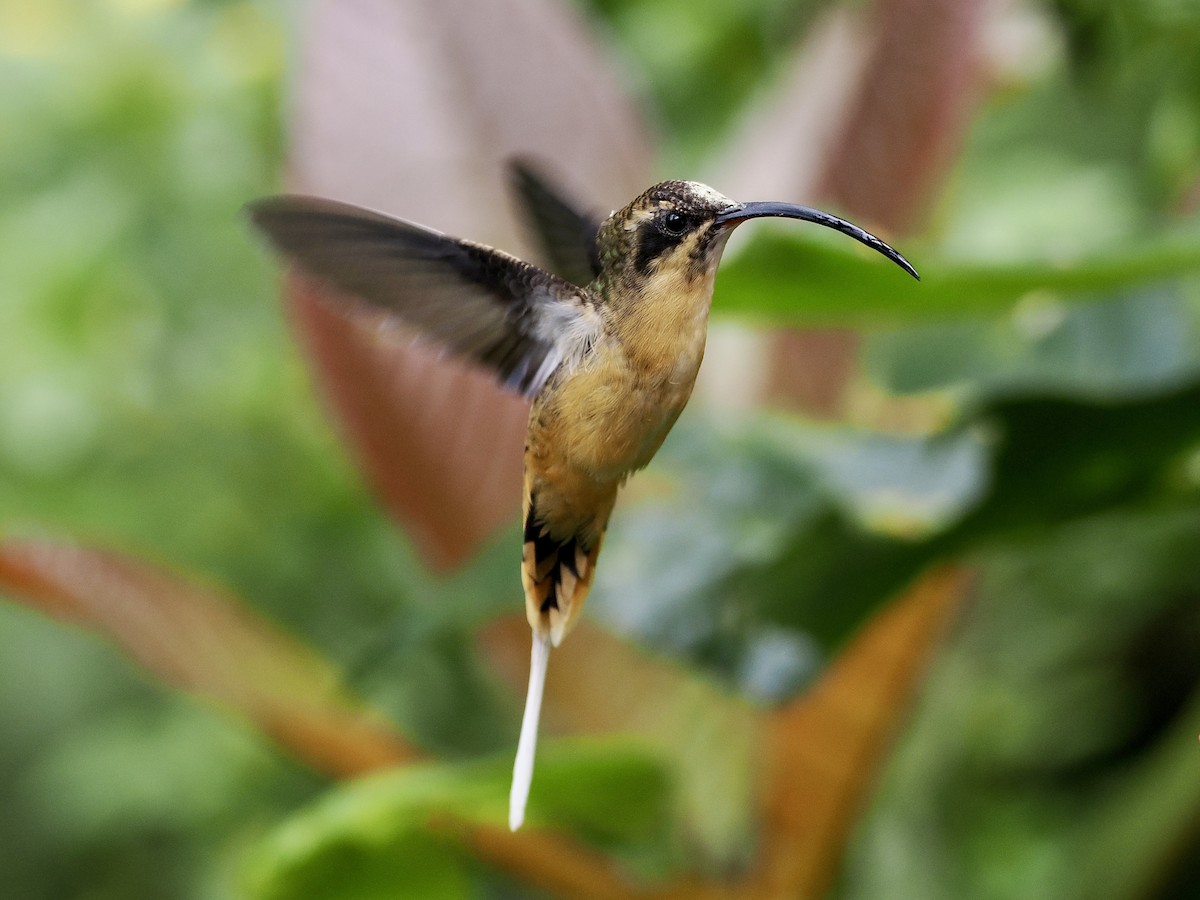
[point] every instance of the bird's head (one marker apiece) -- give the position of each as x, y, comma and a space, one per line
674, 234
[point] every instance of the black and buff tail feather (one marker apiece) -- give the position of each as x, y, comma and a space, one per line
557, 575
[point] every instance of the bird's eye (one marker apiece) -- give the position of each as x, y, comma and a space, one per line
674, 223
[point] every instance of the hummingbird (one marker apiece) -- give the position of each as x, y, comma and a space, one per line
607, 351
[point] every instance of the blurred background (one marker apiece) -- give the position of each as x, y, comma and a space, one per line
908, 605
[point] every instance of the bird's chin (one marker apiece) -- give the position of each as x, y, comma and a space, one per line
716, 247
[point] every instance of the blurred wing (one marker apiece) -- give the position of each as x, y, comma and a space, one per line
484, 305
565, 234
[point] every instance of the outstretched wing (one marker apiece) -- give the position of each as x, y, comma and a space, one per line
565, 233
482, 304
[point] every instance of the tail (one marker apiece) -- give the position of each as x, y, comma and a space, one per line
527, 745
557, 573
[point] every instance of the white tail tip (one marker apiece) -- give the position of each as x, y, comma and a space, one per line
527, 745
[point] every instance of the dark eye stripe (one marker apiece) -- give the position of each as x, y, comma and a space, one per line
653, 242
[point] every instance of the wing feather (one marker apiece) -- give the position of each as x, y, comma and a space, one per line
482, 304
566, 233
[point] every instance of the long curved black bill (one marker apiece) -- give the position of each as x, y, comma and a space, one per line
808, 214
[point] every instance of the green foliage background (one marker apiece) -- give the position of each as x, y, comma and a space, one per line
151, 399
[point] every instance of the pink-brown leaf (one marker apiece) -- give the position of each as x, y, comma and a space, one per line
917, 94
825, 748
416, 109
868, 119
201, 640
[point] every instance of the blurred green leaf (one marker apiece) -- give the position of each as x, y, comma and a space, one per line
773, 526
1053, 461
1135, 344
767, 550
392, 834
796, 280
1161, 793
1057, 460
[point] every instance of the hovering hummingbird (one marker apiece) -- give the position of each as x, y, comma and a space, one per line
608, 353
